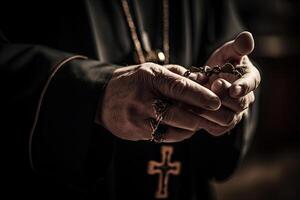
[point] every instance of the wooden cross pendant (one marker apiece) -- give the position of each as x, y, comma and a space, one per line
164, 169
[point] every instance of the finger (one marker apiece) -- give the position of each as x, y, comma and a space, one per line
226, 76
246, 84
222, 117
215, 129
233, 50
197, 77
184, 118
178, 117
221, 86
242, 45
176, 135
252, 98
239, 104
185, 90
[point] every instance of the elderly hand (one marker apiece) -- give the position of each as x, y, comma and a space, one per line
128, 102
215, 105
236, 52
236, 93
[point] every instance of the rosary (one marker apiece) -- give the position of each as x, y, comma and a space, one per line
228, 68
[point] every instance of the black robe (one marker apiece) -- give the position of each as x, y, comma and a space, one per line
71, 154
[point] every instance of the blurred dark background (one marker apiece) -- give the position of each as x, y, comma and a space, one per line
271, 170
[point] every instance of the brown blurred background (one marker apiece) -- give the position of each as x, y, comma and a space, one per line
271, 170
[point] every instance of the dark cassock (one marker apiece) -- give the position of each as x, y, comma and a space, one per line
56, 58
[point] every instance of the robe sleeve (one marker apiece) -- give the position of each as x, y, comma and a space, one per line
58, 94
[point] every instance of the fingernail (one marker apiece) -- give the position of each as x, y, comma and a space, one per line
215, 103
219, 84
216, 86
237, 90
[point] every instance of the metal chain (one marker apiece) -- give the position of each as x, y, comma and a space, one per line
133, 32
166, 42
134, 36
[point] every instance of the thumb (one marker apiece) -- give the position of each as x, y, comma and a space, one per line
243, 44
233, 50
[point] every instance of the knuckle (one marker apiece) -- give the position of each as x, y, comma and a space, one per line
246, 89
176, 68
178, 86
145, 68
243, 104
152, 74
252, 98
150, 68
143, 75
154, 67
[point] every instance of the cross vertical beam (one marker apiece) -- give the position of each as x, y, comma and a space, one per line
164, 169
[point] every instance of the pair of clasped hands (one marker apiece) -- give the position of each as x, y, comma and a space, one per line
215, 104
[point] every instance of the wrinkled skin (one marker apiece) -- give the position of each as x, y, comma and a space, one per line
215, 104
